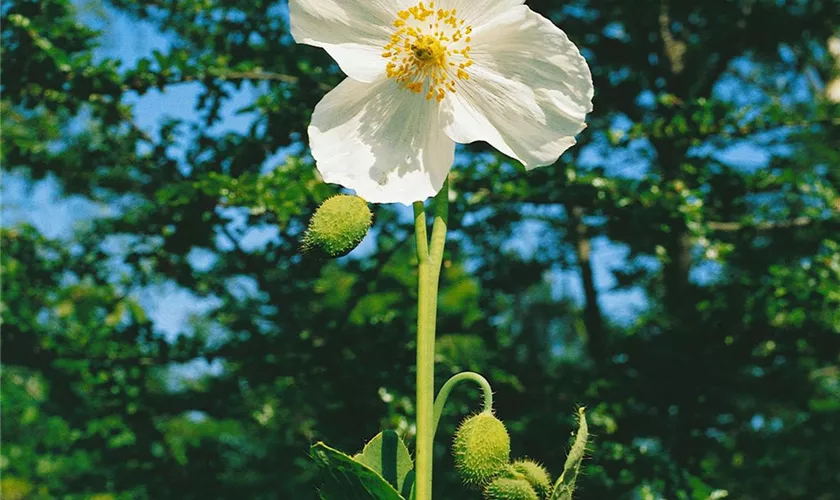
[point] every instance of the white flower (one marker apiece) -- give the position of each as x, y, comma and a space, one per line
425, 75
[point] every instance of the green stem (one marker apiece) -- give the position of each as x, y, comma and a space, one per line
420, 232
430, 256
450, 384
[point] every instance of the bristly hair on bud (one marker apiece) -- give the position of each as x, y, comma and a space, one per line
481, 449
535, 474
337, 227
506, 488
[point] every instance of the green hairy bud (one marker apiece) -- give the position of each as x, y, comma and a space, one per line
338, 226
481, 449
535, 474
506, 488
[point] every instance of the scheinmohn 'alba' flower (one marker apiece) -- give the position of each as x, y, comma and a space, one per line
426, 75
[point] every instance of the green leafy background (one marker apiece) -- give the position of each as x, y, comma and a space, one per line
710, 168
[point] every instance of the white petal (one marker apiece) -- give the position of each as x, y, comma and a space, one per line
353, 32
477, 12
381, 140
528, 93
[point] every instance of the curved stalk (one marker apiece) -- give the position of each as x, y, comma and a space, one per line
450, 384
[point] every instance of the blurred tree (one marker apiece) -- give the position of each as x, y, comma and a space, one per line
712, 157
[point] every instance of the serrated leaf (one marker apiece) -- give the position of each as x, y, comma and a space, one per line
388, 455
346, 479
565, 485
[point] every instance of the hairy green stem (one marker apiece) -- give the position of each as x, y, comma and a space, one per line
430, 256
450, 384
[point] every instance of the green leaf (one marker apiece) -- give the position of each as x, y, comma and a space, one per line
565, 485
388, 455
346, 479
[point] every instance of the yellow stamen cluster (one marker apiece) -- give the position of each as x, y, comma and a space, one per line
429, 50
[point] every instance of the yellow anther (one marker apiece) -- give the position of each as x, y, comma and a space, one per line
427, 56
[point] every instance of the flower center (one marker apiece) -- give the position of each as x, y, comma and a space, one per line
429, 50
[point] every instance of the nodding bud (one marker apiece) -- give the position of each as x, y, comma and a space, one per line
535, 474
337, 227
506, 488
481, 449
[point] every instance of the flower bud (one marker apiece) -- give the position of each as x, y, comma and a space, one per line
337, 226
535, 474
481, 449
505, 488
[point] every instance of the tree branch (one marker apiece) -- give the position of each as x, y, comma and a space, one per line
258, 75
798, 222
674, 49
592, 316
